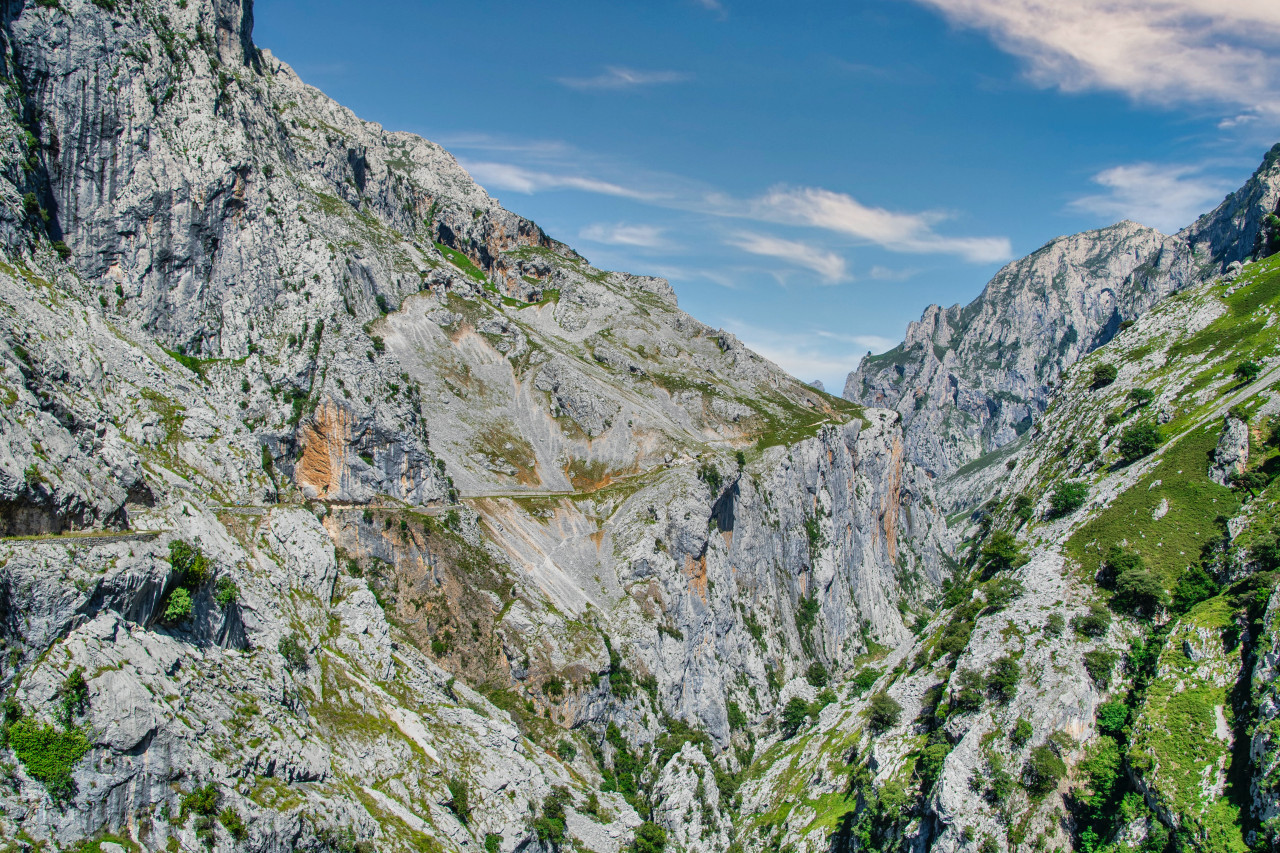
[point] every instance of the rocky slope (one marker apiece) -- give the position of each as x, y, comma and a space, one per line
344, 507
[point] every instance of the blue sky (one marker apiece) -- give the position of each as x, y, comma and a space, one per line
811, 175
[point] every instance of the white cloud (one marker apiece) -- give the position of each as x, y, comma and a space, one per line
621, 234
1163, 197
1163, 51
507, 176
830, 266
809, 354
615, 77
714, 6
899, 232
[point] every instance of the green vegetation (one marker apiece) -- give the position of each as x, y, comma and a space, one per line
1093, 624
1002, 683
48, 753
794, 716
650, 838
1100, 663
460, 798
1001, 553
293, 652
550, 825
1103, 375
1141, 397
1043, 771
883, 712
225, 592
1139, 440
1247, 371
1067, 498
463, 263
179, 607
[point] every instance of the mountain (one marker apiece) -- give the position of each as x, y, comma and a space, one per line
970, 380
342, 509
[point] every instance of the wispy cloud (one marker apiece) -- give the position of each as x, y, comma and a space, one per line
899, 232
714, 6
617, 77
880, 273
507, 176
810, 353
622, 234
1162, 51
828, 265
1163, 197
543, 166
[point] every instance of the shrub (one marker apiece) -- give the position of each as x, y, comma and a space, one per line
1139, 591
1002, 683
1100, 664
1043, 771
1021, 732
822, 700
1194, 586
1095, 623
1250, 481
459, 797
1103, 375
202, 801
1247, 371
230, 818
492, 842
1067, 498
865, 680
566, 751
794, 716
817, 674
31, 204
1112, 717
1054, 625
189, 563
47, 753
1141, 396
1139, 440
1000, 594
737, 719
225, 592
1001, 553
883, 712
1024, 508
381, 302
179, 607
1239, 412
710, 475
73, 697
650, 838
929, 766
967, 691
550, 826
295, 656
63, 250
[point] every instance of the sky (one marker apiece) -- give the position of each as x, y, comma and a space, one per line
812, 175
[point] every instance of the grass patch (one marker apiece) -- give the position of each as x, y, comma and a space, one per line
463, 263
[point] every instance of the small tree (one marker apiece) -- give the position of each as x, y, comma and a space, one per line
1100, 664
1021, 733
1067, 498
817, 674
1112, 717
295, 656
1247, 371
1251, 482
1043, 771
794, 716
650, 838
1141, 397
1139, 440
1001, 553
1095, 623
967, 689
1194, 586
460, 798
883, 712
1002, 683
179, 607
1103, 375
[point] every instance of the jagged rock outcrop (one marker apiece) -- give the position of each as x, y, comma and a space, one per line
1231, 456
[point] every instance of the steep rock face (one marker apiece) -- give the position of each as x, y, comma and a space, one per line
969, 380
1239, 229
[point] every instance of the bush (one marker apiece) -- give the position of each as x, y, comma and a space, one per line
929, 765
883, 712
1100, 664
1000, 594
1141, 397
1139, 591
1043, 771
1139, 440
202, 801
1103, 375
492, 842
817, 674
179, 607
1095, 623
73, 697
1194, 586
1021, 732
460, 796
737, 719
1002, 683
1247, 371
1024, 508
63, 250
190, 564
1112, 717
47, 753
1054, 625
865, 680
710, 475
650, 838
225, 592
1068, 498
550, 826
1001, 553
295, 656
794, 716
967, 691
230, 818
